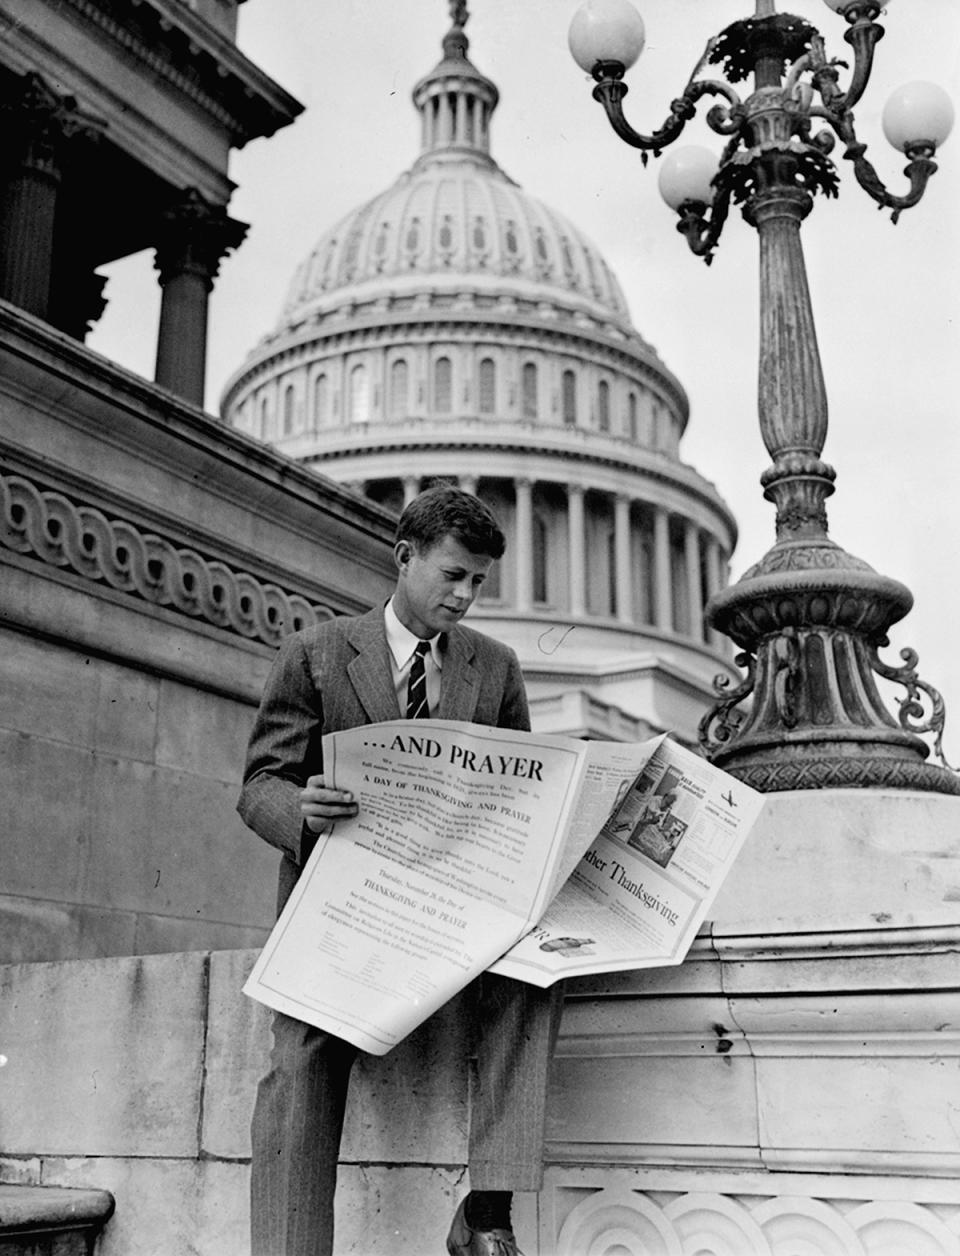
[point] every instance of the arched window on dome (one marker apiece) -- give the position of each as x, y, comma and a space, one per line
399, 387
569, 390
632, 416
359, 402
528, 390
442, 386
288, 401
603, 406
488, 386
320, 401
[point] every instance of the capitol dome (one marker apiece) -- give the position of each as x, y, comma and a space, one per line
454, 216
456, 328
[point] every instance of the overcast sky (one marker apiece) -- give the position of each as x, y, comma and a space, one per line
886, 298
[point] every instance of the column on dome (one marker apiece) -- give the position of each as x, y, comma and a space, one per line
576, 524
714, 580
38, 125
663, 575
523, 561
445, 119
195, 235
462, 132
411, 487
624, 567
691, 546
479, 138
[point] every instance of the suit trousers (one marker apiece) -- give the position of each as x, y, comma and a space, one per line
298, 1117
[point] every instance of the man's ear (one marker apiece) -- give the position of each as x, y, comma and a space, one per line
402, 553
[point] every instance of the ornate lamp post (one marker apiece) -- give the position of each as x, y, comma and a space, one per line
808, 617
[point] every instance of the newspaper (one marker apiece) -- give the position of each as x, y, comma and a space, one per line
477, 848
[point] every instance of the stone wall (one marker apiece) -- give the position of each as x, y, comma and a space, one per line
150, 562
783, 1090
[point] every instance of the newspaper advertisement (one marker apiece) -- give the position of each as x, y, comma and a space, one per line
464, 836
644, 886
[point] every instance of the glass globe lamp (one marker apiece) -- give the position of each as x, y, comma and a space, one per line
917, 115
606, 31
686, 174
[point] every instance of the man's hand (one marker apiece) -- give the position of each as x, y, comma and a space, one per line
321, 806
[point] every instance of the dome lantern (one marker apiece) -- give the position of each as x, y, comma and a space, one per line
455, 100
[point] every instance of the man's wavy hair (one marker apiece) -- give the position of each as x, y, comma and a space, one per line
443, 511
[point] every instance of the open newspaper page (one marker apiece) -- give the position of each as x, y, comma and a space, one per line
640, 893
462, 838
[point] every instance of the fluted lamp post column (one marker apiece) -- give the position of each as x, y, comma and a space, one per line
808, 618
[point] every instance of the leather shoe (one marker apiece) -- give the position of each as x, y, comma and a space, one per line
463, 1241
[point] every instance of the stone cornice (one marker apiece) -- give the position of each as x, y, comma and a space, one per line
675, 474
50, 527
185, 52
83, 383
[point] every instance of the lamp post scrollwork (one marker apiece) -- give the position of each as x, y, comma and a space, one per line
808, 618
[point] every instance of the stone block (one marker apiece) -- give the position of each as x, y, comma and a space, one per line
870, 857
202, 733
104, 1057
237, 1050
45, 788
126, 714
32, 930
663, 1100
165, 1207
853, 1108
400, 1211
406, 1107
23, 1171
47, 691
159, 935
411, 1106
171, 844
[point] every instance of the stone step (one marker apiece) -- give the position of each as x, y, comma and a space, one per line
51, 1220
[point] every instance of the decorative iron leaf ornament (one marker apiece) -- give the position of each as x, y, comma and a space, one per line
739, 46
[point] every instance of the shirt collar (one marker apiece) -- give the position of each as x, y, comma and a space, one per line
403, 642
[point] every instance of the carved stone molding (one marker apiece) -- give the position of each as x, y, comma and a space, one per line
631, 1223
50, 527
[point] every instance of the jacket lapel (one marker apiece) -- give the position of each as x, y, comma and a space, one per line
369, 671
460, 680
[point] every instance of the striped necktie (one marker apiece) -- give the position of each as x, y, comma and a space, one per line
417, 706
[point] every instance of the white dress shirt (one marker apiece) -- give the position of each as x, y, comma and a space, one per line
403, 643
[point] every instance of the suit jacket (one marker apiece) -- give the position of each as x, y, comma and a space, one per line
338, 675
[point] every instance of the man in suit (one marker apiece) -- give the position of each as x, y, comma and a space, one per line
412, 657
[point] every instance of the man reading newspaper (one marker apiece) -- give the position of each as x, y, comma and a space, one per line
414, 658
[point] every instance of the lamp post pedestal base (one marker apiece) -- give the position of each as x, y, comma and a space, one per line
810, 620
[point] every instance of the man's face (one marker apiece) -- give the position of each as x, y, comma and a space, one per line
437, 586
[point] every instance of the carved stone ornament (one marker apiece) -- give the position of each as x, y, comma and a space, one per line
48, 526
631, 1223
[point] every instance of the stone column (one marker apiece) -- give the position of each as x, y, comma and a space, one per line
714, 580
411, 487
463, 104
691, 543
624, 573
194, 237
38, 124
577, 547
662, 573
523, 543
468, 483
